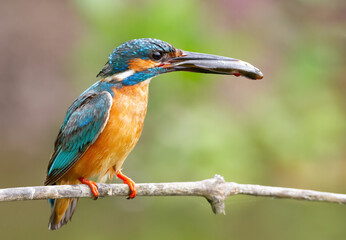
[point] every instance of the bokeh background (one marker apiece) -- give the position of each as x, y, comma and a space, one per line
287, 130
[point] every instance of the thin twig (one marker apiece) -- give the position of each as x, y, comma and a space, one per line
215, 190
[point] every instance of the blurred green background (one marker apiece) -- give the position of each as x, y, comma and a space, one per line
287, 130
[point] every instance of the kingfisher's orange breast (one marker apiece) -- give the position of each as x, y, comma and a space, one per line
119, 136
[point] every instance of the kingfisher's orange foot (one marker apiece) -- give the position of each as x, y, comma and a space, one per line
93, 187
129, 182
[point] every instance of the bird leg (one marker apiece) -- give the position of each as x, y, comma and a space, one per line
129, 182
92, 185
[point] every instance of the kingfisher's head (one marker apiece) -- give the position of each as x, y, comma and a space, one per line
141, 59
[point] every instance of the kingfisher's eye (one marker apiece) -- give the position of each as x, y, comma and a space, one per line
157, 55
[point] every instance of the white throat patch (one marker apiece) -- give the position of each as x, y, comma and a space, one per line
120, 76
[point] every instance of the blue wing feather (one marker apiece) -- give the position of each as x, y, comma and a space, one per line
84, 122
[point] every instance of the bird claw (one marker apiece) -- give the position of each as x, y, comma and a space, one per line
133, 189
130, 183
93, 187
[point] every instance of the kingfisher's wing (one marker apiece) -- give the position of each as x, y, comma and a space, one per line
85, 120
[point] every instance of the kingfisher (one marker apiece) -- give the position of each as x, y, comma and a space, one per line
104, 123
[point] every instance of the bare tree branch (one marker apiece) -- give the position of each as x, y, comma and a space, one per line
215, 190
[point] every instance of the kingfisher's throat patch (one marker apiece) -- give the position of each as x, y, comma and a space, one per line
120, 76
139, 65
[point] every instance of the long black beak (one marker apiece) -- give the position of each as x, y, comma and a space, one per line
206, 63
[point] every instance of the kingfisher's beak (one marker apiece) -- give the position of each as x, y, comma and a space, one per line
206, 63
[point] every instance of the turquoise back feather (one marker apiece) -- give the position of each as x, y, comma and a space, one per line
84, 121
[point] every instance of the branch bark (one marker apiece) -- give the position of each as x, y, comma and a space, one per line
215, 190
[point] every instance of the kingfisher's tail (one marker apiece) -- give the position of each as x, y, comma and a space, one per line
62, 212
